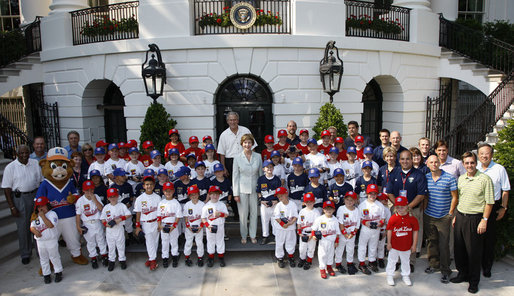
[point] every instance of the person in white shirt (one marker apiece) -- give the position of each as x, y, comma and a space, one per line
134, 167
174, 164
170, 213
99, 163
278, 169
333, 164
285, 214
210, 161
156, 165
351, 167
326, 230
194, 227
113, 162
349, 220
317, 160
305, 220
213, 218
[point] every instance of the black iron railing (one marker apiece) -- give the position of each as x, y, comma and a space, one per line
11, 137
366, 19
439, 113
105, 23
476, 46
213, 17
19, 43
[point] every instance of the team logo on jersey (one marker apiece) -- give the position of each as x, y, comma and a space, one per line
37, 222
347, 172
179, 190
365, 212
291, 182
108, 213
322, 151
411, 179
335, 192
323, 225
190, 211
288, 165
264, 186
143, 203
210, 211
282, 213
86, 207
302, 218
346, 215
163, 207
133, 171
113, 166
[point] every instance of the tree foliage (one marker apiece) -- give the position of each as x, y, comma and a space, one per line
156, 125
329, 115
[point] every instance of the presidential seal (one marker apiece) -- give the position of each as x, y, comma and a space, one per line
243, 15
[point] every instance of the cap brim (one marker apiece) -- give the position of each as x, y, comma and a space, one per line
57, 157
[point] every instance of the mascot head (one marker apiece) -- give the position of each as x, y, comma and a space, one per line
57, 168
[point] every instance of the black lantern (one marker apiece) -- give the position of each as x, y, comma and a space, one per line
331, 70
154, 73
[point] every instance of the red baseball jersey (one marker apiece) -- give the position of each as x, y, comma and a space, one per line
265, 154
278, 146
402, 228
324, 149
304, 149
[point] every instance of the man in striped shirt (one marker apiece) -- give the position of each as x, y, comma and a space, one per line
441, 203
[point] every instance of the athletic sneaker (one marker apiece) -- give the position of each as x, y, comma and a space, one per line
406, 280
390, 280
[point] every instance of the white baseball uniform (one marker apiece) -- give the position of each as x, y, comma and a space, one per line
100, 167
330, 174
350, 219
170, 212
47, 245
115, 236
280, 172
111, 165
285, 236
383, 234
193, 214
368, 238
134, 170
215, 241
319, 161
329, 228
305, 221
209, 168
90, 216
147, 205
172, 169
351, 171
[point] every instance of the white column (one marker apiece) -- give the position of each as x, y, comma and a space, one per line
414, 4
29, 9
58, 6
449, 8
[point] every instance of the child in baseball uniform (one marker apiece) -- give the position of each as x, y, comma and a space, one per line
99, 163
316, 159
113, 162
269, 141
292, 153
339, 144
373, 216
134, 167
285, 214
364, 180
44, 228
282, 144
351, 167
326, 230
368, 155
319, 190
174, 164
213, 218
170, 212
333, 163
100, 188
89, 208
324, 146
266, 186
210, 160
145, 208
402, 237
303, 145
349, 222
192, 214
338, 190
156, 157
278, 168
223, 183
382, 197
201, 181
113, 218
296, 182
305, 221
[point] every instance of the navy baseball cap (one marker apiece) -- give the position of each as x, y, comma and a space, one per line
218, 167
173, 151
274, 153
119, 172
191, 155
112, 146
368, 150
312, 141
367, 164
314, 172
148, 172
334, 150
154, 154
267, 163
99, 150
199, 163
351, 149
133, 149
209, 147
297, 160
182, 172
338, 171
162, 171
94, 173
292, 148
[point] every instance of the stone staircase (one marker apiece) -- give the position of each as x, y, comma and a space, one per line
8, 237
492, 138
25, 71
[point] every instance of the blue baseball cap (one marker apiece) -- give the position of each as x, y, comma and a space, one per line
183, 171
199, 163
297, 160
162, 171
148, 172
112, 146
334, 150
351, 149
275, 153
209, 147
367, 164
119, 172
191, 155
218, 167
314, 172
312, 141
173, 151
154, 154
133, 149
338, 171
94, 173
368, 150
267, 163
99, 150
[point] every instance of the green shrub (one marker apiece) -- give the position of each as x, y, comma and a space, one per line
329, 115
156, 125
504, 155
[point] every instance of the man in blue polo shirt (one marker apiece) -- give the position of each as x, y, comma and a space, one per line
442, 200
411, 183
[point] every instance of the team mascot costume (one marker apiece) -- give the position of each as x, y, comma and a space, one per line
57, 170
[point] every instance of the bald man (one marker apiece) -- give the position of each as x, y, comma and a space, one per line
396, 139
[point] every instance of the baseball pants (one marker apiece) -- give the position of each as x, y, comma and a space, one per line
216, 241
307, 249
115, 238
325, 253
169, 239
349, 245
49, 252
393, 257
95, 236
266, 215
198, 238
25, 205
287, 238
381, 246
67, 227
247, 206
151, 238
368, 238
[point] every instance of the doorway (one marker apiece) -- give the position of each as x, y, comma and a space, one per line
371, 120
114, 117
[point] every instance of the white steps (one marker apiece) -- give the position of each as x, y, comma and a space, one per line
492, 138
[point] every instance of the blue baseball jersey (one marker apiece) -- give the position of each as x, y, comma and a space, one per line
158, 189
225, 186
320, 194
337, 192
267, 187
203, 186
57, 198
101, 191
126, 193
296, 185
181, 191
361, 184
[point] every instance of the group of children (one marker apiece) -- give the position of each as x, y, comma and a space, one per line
189, 195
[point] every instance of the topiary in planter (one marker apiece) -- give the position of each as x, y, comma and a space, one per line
156, 125
329, 115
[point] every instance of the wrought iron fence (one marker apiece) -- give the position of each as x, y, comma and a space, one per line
19, 43
367, 19
213, 17
105, 23
33, 36
439, 113
11, 137
476, 46
44, 116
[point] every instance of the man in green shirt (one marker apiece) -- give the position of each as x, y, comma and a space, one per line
476, 200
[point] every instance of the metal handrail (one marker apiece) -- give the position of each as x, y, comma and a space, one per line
11, 137
16, 48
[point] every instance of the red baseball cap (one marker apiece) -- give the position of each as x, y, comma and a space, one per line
269, 139
304, 131
282, 133
329, 203
41, 201
112, 192
382, 196
168, 186
173, 131
215, 188
372, 188
122, 145
401, 201
132, 143
87, 185
308, 197
338, 140
281, 190
205, 138
193, 139
352, 195
101, 143
193, 189
147, 144
359, 138
325, 133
